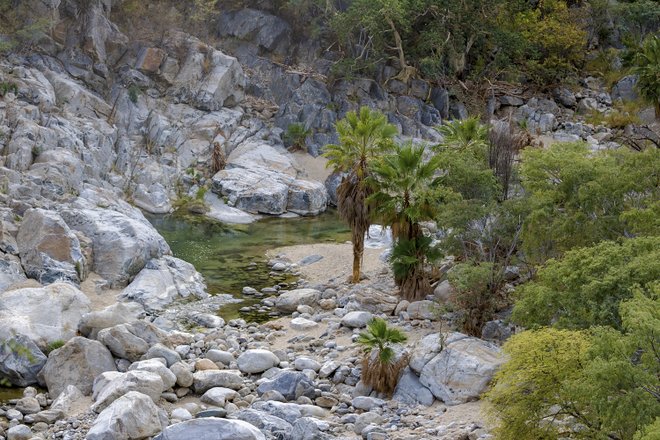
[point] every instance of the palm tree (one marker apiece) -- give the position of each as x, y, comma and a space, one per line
647, 67
406, 194
363, 136
380, 368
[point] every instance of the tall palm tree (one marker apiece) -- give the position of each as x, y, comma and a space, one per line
380, 368
406, 194
647, 67
363, 136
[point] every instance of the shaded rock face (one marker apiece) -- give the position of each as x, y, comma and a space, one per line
266, 31
22, 312
77, 363
49, 250
20, 360
290, 384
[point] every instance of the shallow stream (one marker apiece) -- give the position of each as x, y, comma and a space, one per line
234, 256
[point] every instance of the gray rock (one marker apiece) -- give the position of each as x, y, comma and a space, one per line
291, 384
19, 432
49, 250
462, 370
163, 281
132, 416
77, 363
218, 396
410, 390
207, 379
497, 330
156, 366
22, 311
565, 97
365, 419
181, 414
289, 412
144, 382
428, 347
302, 324
223, 357
443, 292
161, 351
263, 29
304, 363
290, 300
267, 423
328, 368
115, 314
183, 373
356, 319
28, 405
511, 101
367, 403
11, 271
625, 89
307, 428
20, 360
256, 361
67, 399
211, 428
122, 343
122, 245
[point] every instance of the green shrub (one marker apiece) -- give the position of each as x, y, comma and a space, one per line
296, 136
380, 368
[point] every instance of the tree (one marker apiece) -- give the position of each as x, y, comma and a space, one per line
363, 137
598, 384
647, 66
406, 194
587, 285
464, 134
380, 367
577, 197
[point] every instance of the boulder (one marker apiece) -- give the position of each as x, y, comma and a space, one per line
19, 432
122, 343
115, 314
274, 426
149, 59
160, 351
291, 384
77, 363
207, 379
625, 89
256, 361
211, 428
218, 396
443, 292
356, 319
11, 271
49, 250
428, 347
304, 363
462, 370
22, 312
144, 382
409, 390
163, 281
156, 366
67, 400
302, 324
290, 300
251, 191
122, 245
20, 360
132, 416
183, 373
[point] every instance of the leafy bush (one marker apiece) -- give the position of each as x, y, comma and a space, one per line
474, 294
647, 66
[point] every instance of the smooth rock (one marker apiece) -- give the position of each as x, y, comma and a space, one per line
205, 380
291, 384
20, 360
356, 319
211, 428
409, 390
144, 382
290, 300
256, 361
132, 416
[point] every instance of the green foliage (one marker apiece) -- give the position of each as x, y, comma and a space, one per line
577, 197
647, 66
621, 115
380, 368
55, 345
475, 294
464, 134
587, 285
602, 384
296, 136
19, 29
7, 87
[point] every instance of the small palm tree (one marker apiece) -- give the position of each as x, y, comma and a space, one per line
464, 134
380, 368
647, 67
363, 137
406, 194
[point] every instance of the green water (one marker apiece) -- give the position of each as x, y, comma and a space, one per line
231, 257
7, 394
